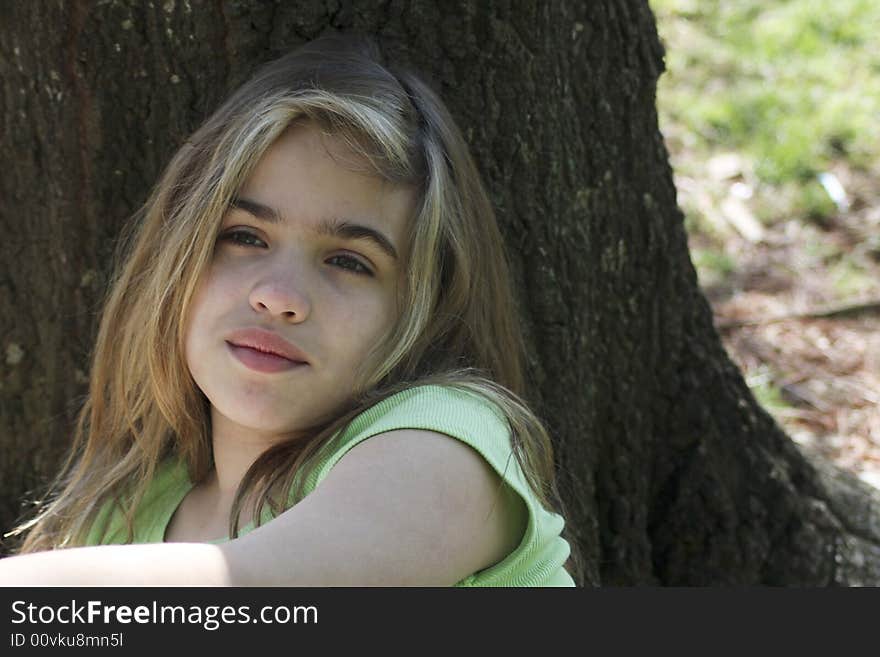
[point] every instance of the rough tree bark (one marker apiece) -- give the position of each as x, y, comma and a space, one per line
675, 474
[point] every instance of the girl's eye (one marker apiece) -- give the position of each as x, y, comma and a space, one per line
242, 238
351, 264
247, 239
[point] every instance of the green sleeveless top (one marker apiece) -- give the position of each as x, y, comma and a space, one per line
538, 559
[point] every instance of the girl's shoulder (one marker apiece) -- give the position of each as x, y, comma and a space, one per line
448, 409
476, 420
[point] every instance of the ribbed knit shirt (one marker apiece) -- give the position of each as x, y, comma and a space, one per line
538, 559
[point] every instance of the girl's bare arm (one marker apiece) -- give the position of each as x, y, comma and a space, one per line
159, 564
406, 507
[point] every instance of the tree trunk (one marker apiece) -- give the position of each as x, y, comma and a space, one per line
674, 474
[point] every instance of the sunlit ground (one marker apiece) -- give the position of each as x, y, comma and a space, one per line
771, 114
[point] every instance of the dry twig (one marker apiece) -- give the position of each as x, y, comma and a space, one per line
846, 310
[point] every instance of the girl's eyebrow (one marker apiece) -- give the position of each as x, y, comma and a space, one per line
331, 227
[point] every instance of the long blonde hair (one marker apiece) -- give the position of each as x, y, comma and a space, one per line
458, 324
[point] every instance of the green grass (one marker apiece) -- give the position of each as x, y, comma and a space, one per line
713, 265
849, 279
793, 85
768, 395
770, 398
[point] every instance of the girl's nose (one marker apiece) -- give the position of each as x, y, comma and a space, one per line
282, 295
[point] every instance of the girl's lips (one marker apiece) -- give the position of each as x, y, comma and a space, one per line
267, 341
260, 361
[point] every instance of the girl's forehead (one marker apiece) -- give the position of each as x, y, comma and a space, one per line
304, 152
310, 175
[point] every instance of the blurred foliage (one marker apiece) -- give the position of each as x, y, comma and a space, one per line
769, 396
768, 96
793, 84
714, 265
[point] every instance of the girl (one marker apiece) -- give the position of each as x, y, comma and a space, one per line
308, 369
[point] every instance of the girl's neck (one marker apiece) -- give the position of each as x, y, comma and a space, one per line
235, 450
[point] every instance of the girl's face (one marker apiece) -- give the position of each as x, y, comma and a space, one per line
306, 266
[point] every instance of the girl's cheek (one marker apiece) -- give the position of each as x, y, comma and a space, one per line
371, 316
232, 289
219, 283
